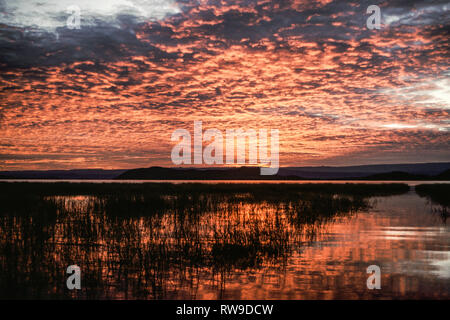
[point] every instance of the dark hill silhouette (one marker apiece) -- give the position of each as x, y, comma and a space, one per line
417, 171
76, 174
252, 173
362, 171
159, 173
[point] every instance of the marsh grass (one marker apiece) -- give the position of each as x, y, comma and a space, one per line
156, 240
439, 194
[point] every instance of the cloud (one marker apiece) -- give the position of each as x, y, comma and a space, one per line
420, 13
52, 14
111, 93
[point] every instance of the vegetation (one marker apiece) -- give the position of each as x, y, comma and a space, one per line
439, 194
156, 240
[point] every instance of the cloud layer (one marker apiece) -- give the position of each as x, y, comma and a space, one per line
111, 93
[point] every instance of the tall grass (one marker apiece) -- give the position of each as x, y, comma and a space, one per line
439, 194
158, 240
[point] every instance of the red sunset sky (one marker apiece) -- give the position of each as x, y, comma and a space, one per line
109, 95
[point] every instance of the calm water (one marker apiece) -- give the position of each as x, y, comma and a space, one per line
228, 249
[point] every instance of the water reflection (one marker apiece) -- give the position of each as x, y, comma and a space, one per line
223, 245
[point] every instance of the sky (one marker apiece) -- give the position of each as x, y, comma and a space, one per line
110, 93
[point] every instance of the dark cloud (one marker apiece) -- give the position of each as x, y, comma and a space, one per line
309, 68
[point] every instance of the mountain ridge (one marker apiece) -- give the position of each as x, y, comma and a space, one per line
418, 171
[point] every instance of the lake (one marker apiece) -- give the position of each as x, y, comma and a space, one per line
209, 241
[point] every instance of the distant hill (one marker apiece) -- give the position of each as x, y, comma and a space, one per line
78, 174
417, 171
352, 172
159, 173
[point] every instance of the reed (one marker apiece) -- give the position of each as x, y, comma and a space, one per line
156, 240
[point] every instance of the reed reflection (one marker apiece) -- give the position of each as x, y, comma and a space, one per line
156, 241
